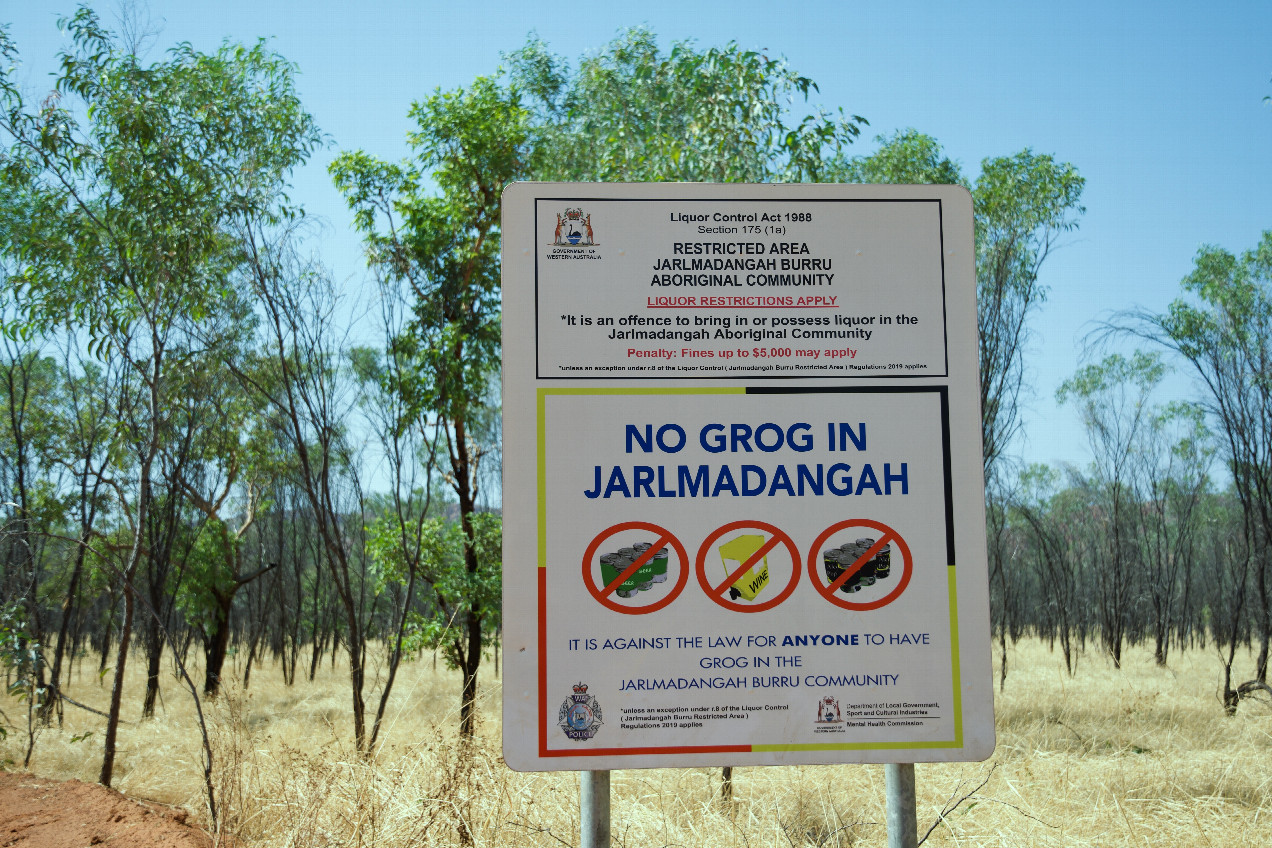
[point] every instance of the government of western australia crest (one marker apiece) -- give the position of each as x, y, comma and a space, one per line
574, 228
580, 715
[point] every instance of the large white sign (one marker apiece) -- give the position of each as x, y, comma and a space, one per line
743, 498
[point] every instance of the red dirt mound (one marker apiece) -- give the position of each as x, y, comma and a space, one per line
39, 813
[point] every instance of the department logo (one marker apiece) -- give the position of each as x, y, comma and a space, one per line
573, 229
580, 715
828, 711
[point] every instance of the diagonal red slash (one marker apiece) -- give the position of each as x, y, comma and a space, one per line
635, 566
859, 563
772, 542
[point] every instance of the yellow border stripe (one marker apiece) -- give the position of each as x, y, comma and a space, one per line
956, 674
856, 746
542, 416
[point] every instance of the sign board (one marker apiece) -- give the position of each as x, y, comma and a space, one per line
743, 497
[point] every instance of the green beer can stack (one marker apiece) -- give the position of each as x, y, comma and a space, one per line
613, 565
659, 561
644, 576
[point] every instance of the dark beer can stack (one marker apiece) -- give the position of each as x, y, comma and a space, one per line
836, 562
854, 551
882, 560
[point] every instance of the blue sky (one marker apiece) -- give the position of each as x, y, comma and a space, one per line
1159, 105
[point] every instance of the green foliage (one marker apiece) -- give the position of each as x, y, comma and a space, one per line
633, 112
1194, 447
1233, 307
123, 209
209, 568
1112, 399
469, 143
905, 157
1143, 371
1038, 484
1022, 204
20, 657
441, 564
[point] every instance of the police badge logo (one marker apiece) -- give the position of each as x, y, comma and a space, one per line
580, 715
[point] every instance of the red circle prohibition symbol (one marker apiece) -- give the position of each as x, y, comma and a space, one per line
717, 593
605, 595
886, 534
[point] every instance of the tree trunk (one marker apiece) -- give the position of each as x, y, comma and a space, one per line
54, 699
395, 658
1265, 620
117, 688
154, 656
104, 658
217, 645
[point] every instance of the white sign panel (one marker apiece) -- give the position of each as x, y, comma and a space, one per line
743, 498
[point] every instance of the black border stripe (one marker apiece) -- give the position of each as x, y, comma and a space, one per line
611, 376
947, 455
949, 476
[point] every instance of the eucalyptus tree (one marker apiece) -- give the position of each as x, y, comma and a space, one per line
1173, 478
1047, 515
1222, 327
132, 173
300, 374
442, 245
403, 538
224, 466
1023, 203
29, 385
1112, 398
31, 511
83, 444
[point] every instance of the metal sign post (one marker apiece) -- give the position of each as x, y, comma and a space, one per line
903, 828
594, 809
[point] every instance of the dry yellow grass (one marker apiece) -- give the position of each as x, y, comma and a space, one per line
1141, 756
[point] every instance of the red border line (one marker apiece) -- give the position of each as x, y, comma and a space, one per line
543, 661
